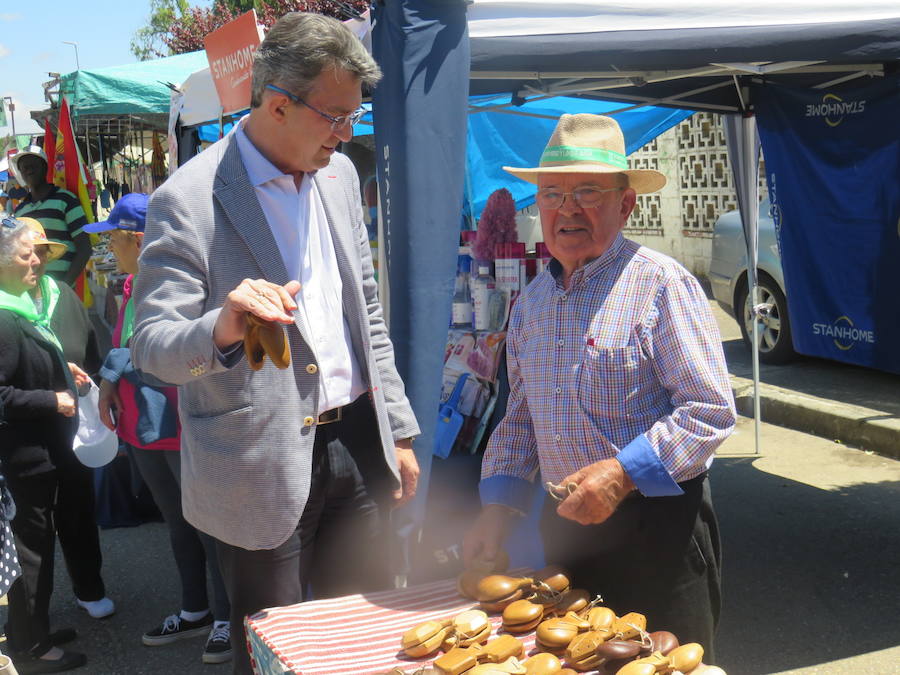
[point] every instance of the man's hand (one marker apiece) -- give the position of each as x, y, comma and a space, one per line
109, 401
266, 300
408, 466
601, 488
485, 538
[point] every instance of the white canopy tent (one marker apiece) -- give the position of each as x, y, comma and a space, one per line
696, 54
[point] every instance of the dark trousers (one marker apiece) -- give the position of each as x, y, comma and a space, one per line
28, 624
658, 556
76, 527
340, 544
194, 551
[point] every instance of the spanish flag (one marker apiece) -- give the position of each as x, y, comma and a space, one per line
69, 174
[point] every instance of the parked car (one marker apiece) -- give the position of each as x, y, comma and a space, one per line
728, 278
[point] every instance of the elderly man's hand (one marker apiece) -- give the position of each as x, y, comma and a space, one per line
601, 488
486, 536
268, 301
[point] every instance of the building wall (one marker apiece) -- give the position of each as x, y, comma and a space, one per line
679, 220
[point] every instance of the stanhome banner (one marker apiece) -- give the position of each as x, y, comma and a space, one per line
832, 160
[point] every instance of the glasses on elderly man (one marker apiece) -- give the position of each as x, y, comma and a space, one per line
586, 197
10, 222
337, 123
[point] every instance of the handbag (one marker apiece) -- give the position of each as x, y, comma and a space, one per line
94, 444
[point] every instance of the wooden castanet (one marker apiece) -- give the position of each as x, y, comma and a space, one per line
543, 664
522, 616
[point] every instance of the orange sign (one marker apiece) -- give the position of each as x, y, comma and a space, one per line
229, 51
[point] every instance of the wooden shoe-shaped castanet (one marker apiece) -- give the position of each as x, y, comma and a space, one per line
265, 338
425, 639
467, 581
522, 616
496, 591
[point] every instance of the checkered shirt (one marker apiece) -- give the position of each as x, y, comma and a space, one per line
627, 360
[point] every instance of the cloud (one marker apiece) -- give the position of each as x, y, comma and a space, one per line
3, 51
10, 17
42, 57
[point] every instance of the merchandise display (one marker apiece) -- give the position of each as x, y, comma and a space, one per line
368, 633
589, 637
483, 288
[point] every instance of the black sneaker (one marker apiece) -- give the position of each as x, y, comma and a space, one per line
175, 628
218, 646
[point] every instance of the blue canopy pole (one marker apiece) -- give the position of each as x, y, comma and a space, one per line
420, 111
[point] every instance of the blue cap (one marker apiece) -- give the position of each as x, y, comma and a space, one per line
129, 213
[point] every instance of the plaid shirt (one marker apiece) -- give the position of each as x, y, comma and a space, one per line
627, 362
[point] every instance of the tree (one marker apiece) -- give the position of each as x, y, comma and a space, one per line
174, 27
148, 42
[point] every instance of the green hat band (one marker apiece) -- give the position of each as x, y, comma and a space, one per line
556, 154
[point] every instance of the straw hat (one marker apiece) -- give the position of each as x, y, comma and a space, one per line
587, 143
57, 248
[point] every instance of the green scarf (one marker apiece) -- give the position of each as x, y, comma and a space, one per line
24, 306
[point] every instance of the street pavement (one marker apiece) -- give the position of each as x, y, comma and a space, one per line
810, 539
857, 406
811, 550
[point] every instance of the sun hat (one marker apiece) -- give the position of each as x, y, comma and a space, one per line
57, 248
129, 213
586, 143
34, 151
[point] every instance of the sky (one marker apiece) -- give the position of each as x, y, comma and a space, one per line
31, 45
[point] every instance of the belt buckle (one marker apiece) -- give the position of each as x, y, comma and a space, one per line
333, 415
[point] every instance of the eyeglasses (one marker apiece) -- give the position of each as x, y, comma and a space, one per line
10, 222
337, 123
586, 197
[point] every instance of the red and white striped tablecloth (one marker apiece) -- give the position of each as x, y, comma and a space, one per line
355, 634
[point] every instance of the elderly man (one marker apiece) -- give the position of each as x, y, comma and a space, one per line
290, 469
57, 210
618, 393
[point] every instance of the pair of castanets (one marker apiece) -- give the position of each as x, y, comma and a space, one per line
463, 630
265, 338
549, 588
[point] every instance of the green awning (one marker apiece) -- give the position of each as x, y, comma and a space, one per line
134, 89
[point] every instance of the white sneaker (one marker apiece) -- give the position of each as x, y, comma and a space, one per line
98, 609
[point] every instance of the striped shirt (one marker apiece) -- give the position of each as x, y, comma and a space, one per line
627, 362
63, 219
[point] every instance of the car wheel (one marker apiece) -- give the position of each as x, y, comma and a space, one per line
775, 345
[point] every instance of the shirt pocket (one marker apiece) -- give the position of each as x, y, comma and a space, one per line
608, 380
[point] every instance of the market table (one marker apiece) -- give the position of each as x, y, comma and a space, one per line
354, 634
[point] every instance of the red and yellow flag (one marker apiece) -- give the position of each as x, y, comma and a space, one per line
69, 174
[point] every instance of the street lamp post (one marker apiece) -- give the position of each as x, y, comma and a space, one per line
12, 113
74, 44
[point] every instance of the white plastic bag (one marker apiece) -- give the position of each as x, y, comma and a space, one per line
94, 444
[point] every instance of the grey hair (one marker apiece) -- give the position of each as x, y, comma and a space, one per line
10, 240
300, 46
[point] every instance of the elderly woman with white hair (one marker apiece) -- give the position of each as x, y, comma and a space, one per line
37, 424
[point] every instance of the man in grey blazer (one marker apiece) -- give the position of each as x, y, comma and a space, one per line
292, 471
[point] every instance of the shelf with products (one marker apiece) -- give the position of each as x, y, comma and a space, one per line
105, 283
469, 389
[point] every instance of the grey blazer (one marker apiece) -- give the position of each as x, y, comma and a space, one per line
246, 439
